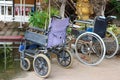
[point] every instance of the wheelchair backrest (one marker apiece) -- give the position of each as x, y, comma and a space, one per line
57, 32
100, 26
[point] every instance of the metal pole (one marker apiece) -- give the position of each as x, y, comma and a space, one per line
34, 5
5, 59
13, 9
49, 10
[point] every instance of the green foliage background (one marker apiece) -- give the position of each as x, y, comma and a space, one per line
115, 5
41, 18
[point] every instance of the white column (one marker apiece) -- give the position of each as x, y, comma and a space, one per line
12, 10
4, 11
18, 8
12, 13
0, 10
24, 11
20, 14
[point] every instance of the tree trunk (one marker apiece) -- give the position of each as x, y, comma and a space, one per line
62, 8
103, 8
99, 7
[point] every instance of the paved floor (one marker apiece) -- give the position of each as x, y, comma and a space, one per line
109, 69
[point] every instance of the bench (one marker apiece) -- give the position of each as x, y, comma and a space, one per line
9, 40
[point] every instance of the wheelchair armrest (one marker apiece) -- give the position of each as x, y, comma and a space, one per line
36, 29
84, 21
90, 20
111, 18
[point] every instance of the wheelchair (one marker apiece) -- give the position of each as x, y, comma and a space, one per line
92, 44
109, 38
40, 44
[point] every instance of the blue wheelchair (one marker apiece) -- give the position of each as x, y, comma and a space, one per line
40, 44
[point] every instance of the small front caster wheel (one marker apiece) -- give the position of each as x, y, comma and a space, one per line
25, 64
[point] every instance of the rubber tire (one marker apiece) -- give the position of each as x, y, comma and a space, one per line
102, 42
117, 45
29, 65
71, 60
48, 62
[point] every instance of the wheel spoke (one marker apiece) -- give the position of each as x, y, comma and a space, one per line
41, 65
25, 64
64, 59
86, 49
38, 61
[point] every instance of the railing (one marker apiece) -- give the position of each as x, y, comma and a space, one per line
20, 14
20, 11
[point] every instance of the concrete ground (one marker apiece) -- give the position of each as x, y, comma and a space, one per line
109, 69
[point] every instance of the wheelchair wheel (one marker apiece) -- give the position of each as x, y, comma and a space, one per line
25, 64
42, 65
118, 38
111, 43
90, 48
65, 58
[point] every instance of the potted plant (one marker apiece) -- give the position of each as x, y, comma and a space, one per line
40, 18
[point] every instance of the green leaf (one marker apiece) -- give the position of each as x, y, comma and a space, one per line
39, 18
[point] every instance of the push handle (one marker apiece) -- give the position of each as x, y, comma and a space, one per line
111, 18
